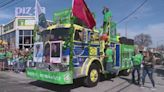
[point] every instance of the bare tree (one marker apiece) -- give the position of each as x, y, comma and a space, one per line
143, 40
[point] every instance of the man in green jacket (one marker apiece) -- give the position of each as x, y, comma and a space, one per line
107, 19
109, 59
9, 56
137, 60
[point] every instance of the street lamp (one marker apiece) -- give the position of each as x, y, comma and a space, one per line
126, 26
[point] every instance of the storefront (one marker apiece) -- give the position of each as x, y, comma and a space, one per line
25, 39
19, 32
10, 38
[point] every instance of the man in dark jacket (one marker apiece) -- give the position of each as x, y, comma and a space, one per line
148, 68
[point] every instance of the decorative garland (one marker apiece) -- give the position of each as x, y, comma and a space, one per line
71, 44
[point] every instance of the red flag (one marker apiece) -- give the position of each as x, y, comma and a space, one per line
81, 11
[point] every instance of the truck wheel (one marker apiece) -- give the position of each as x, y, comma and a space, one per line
93, 76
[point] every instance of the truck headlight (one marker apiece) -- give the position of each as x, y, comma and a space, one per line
65, 60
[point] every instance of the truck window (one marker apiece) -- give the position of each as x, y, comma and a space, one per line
79, 35
55, 50
56, 34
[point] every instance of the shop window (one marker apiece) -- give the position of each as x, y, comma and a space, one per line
79, 35
27, 40
20, 32
27, 32
55, 50
21, 47
3, 37
32, 39
32, 32
8, 39
27, 46
20, 40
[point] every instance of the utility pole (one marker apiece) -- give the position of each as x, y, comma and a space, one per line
126, 29
126, 26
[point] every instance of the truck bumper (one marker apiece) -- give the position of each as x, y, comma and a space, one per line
50, 76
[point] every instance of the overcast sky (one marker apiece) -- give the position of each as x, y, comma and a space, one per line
149, 19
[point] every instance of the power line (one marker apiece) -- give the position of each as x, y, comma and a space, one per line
3, 1
11, 4
132, 12
3, 5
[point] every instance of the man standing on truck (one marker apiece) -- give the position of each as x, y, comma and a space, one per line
107, 19
137, 60
106, 24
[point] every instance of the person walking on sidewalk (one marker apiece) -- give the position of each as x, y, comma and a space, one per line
9, 56
148, 68
137, 60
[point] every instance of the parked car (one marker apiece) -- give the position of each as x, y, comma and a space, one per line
162, 60
158, 58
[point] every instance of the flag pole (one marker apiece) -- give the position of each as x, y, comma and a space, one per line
72, 5
40, 21
35, 26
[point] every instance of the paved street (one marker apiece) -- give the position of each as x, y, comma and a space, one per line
12, 82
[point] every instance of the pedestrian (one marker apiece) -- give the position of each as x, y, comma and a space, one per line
22, 60
137, 60
29, 58
14, 61
17, 64
5, 59
2, 59
9, 56
148, 68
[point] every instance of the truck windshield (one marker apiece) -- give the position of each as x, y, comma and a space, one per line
56, 34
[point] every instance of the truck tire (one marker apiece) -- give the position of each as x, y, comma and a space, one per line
93, 76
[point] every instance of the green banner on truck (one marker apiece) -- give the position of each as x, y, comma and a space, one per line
50, 76
62, 17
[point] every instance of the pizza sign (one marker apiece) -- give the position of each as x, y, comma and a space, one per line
26, 11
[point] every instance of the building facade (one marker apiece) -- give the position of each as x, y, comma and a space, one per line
19, 32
